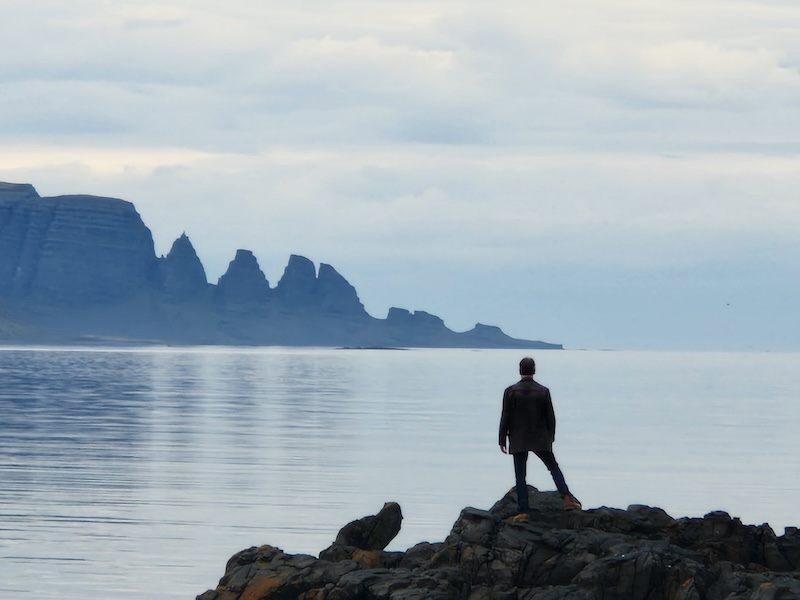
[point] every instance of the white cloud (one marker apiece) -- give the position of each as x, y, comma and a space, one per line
687, 72
243, 76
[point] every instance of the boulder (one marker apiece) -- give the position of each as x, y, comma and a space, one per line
373, 532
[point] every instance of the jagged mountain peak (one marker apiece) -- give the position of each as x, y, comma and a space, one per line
83, 266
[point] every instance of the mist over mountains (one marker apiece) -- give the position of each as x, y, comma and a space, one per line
82, 268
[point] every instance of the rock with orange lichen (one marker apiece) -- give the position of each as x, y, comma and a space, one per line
600, 554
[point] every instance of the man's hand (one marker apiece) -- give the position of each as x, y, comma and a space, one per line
503, 449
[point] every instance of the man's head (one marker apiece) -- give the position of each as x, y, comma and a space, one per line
527, 367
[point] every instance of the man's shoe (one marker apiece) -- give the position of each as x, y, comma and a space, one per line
571, 503
520, 518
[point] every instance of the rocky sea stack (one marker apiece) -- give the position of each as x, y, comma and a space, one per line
83, 269
640, 553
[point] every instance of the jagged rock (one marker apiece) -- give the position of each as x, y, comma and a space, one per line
337, 296
418, 328
82, 268
181, 274
640, 553
419, 320
244, 283
297, 286
426, 330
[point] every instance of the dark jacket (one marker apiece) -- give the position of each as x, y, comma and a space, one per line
528, 420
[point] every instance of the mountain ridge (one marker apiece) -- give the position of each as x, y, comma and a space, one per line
84, 268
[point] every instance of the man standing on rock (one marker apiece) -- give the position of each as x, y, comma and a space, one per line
529, 424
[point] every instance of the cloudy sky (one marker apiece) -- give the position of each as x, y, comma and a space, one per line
615, 174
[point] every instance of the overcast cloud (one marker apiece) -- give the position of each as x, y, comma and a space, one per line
612, 174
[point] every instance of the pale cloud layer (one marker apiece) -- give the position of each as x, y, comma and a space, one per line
602, 174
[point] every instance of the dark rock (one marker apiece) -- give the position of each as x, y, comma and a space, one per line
419, 554
244, 284
373, 532
297, 287
789, 547
640, 553
181, 274
336, 295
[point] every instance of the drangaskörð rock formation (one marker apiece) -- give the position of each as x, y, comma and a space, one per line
83, 269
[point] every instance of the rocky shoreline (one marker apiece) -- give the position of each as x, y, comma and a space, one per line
641, 553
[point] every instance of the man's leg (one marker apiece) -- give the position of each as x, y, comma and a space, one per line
520, 467
549, 460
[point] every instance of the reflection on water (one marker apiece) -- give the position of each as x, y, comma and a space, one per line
129, 473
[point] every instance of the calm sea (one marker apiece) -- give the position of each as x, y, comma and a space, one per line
137, 472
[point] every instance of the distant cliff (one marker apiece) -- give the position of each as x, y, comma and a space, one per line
84, 268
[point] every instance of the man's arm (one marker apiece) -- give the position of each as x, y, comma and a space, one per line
551, 416
505, 418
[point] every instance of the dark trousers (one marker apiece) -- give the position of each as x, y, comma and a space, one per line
520, 469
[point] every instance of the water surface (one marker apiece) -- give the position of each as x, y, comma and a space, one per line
137, 472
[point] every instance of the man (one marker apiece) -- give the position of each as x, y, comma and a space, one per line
529, 424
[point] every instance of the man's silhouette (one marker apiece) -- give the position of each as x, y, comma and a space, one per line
529, 424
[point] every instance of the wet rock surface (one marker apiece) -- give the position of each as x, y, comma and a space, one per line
596, 554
